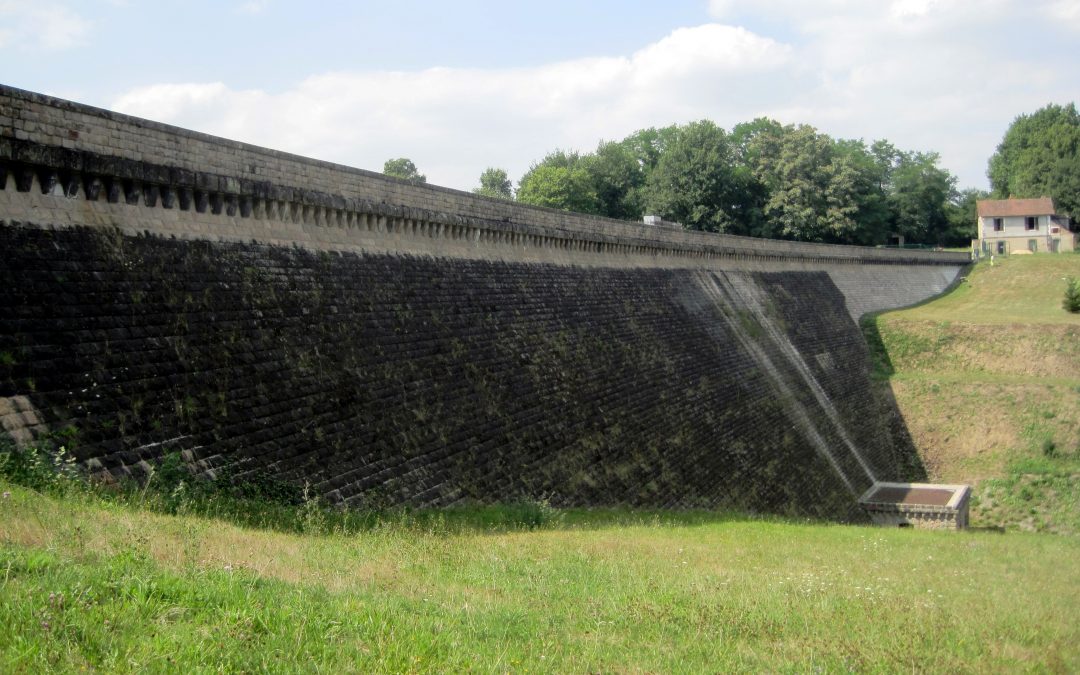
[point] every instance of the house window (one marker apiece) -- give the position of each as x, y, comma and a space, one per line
1031, 223
999, 224
1033, 245
1001, 248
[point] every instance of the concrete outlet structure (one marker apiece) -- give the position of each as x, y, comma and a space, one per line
922, 505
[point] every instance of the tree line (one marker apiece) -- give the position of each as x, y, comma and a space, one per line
765, 179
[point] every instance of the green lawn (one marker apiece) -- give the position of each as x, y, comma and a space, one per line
90, 584
1022, 289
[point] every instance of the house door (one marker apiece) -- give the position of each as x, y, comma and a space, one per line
1054, 243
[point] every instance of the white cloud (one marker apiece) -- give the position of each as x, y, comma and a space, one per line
720, 9
932, 75
905, 8
52, 27
940, 75
252, 7
1065, 11
455, 122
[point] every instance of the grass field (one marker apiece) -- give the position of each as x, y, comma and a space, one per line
988, 380
89, 584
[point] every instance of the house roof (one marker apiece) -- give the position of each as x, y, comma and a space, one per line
1000, 208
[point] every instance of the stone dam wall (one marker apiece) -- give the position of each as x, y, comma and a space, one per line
167, 291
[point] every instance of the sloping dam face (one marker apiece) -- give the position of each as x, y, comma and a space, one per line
392, 378
266, 314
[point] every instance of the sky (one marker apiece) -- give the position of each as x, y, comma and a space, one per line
461, 86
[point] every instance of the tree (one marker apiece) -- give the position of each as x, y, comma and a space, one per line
763, 179
648, 145
1071, 302
750, 141
753, 138
920, 196
963, 217
1040, 156
812, 188
871, 183
695, 182
403, 168
495, 183
559, 181
617, 177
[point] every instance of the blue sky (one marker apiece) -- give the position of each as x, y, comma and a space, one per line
459, 86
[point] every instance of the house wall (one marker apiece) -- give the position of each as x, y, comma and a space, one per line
1015, 227
1016, 236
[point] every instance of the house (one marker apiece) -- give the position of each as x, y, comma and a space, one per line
1022, 226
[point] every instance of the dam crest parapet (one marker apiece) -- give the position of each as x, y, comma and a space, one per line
193, 185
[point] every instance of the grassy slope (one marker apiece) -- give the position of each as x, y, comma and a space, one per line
988, 380
88, 584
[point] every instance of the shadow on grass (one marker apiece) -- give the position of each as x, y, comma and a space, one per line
881, 365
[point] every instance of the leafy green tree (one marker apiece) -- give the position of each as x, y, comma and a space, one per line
963, 217
695, 181
617, 178
763, 179
1040, 156
648, 145
812, 187
752, 140
873, 216
495, 183
560, 181
886, 158
403, 168
920, 197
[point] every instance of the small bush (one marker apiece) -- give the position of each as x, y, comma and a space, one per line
1049, 448
1071, 303
530, 514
